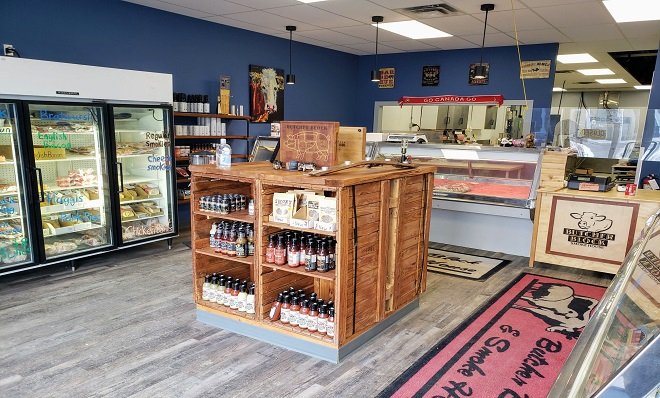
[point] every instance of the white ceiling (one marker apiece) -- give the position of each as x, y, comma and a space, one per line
345, 25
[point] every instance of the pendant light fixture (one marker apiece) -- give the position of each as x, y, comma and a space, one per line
290, 77
375, 73
480, 69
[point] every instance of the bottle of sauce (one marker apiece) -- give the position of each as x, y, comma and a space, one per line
227, 296
331, 253
280, 251
294, 311
312, 319
223, 238
322, 323
276, 309
205, 287
303, 251
233, 300
219, 292
241, 244
303, 318
242, 297
231, 243
293, 254
310, 256
249, 302
270, 250
322, 257
214, 228
250, 241
216, 239
284, 313
330, 328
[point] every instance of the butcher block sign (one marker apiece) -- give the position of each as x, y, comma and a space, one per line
309, 142
588, 229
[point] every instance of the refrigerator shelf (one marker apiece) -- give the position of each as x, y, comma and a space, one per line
135, 155
137, 179
88, 204
10, 218
56, 188
70, 158
137, 131
126, 202
82, 227
9, 194
65, 132
142, 218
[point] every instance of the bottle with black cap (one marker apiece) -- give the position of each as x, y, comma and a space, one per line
249, 303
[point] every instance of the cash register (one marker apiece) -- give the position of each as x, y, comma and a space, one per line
589, 182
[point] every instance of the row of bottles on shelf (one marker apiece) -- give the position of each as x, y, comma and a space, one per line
197, 148
234, 239
197, 103
226, 203
230, 292
297, 249
313, 314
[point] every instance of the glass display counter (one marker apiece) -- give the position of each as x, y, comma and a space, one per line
618, 353
492, 175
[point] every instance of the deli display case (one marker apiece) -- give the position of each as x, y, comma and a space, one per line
483, 197
618, 353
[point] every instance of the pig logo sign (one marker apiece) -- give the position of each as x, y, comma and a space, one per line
592, 222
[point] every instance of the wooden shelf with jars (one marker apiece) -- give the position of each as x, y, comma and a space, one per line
380, 253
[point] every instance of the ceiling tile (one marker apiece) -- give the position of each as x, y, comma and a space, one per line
244, 25
320, 17
604, 46
171, 8
361, 10
215, 7
641, 29
369, 32
409, 45
492, 40
503, 20
572, 15
544, 3
393, 4
640, 43
370, 47
261, 4
459, 25
540, 36
331, 36
474, 6
276, 22
592, 32
450, 43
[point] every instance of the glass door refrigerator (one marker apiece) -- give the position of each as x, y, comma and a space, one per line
71, 174
146, 178
15, 218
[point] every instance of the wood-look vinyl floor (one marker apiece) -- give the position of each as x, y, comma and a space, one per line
123, 325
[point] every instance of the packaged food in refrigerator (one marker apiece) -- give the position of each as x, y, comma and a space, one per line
92, 193
127, 212
7, 188
149, 189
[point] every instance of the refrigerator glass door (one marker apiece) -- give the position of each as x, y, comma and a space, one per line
15, 245
72, 176
145, 172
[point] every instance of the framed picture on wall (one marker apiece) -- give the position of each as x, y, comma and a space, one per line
430, 75
266, 94
478, 81
386, 78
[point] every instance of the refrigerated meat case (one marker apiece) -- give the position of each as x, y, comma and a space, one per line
83, 176
618, 353
483, 197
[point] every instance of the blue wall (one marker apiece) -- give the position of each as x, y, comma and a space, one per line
454, 65
117, 34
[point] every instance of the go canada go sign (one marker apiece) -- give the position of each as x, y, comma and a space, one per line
589, 229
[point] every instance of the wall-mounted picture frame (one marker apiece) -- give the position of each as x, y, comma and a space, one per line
266, 94
386, 78
473, 81
430, 75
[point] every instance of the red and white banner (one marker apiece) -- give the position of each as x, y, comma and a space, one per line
455, 99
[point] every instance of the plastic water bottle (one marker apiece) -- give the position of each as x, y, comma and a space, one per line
223, 155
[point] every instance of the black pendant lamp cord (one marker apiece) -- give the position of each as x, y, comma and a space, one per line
376, 57
290, 41
483, 40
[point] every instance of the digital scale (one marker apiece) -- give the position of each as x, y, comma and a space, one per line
583, 182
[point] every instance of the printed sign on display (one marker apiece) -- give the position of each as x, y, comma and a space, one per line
535, 69
430, 75
386, 78
593, 230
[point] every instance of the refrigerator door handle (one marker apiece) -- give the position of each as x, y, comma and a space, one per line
40, 178
121, 177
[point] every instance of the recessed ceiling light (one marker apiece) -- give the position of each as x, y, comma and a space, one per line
633, 10
644, 87
611, 81
582, 58
413, 30
310, 1
596, 72
558, 89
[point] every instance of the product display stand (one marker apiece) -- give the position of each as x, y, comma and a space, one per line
381, 253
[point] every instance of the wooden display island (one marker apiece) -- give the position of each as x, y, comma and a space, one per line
584, 229
382, 231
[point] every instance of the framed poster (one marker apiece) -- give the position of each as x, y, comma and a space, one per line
266, 94
386, 78
535, 69
430, 75
590, 229
309, 142
478, 82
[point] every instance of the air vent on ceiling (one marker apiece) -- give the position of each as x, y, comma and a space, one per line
584, 83
429, 11
564, 71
